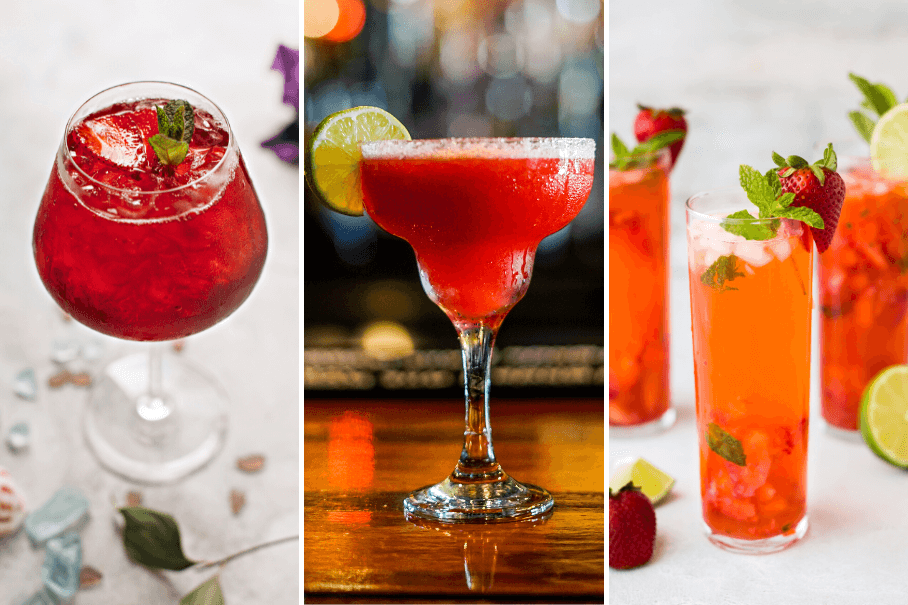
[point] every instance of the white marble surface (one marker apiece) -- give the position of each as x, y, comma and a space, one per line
53, 56
757, 77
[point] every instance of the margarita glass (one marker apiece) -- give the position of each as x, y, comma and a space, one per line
474, 211
146, 252
750, 314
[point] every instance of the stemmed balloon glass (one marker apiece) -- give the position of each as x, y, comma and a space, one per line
141, 250
474, 211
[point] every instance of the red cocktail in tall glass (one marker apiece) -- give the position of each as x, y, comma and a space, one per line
474, 211
142, 249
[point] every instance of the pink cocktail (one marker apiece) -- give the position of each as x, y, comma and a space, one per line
140, 248
474, 211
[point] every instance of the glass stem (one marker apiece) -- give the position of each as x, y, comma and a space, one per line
153, 405
477, 462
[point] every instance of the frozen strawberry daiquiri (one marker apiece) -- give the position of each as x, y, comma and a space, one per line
474, 211
750, 289
149, 229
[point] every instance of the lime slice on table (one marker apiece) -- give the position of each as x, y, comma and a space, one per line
884, 415
889, 143
654, 483
334, 154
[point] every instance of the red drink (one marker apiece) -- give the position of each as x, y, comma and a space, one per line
863, 292
141, 251
474, 211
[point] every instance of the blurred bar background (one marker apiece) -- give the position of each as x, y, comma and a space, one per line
453, 68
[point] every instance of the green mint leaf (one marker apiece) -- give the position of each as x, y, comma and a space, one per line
803, 214
176, 120
170, 151
618, 147
723, 270
206, 593
878, 97
862, 124
725, 445
641, 155
784, 201
660, 140
152, 539
754, 231
759, 191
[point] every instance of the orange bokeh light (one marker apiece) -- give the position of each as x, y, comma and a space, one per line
320, 17
350, 21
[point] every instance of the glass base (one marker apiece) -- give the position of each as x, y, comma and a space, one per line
455, 502
844, 434
758, 547
653, 427
155, 440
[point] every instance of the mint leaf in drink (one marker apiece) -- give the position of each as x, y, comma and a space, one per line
176, 123
724, 269
642, 154
725, 445
751, 231
170, 151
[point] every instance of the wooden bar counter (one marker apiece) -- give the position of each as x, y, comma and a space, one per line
361, 457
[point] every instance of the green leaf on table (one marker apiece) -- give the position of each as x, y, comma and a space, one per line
725, 445
206, 593
152, 539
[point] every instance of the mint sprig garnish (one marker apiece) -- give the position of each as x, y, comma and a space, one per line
722, 443
878, 99
724, 269
641, 155
176, 123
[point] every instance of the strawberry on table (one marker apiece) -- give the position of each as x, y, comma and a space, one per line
650, 122
631, 527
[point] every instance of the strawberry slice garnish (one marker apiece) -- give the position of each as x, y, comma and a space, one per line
631, 528
816, 186
650, 122
114, 139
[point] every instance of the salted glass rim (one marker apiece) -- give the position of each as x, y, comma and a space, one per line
569, 148
67, 157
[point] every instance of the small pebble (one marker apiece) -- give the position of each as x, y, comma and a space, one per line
237, 501
26, 386
18, 438
81, 379
251, 463
59, 379
133, 499
64, 351
89, 576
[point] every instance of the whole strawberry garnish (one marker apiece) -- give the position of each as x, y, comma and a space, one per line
631, 527
651, 121
816, 186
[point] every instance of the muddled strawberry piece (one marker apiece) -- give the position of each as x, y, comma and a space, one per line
113, 139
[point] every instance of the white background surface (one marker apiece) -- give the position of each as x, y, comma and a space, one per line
54, 56
758, 77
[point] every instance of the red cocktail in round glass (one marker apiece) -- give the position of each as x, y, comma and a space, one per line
143, 250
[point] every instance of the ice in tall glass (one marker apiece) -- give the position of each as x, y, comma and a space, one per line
751, 322
638, 297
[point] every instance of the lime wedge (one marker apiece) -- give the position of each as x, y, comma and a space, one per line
884, 415
653, 482
889, 143
333, 154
